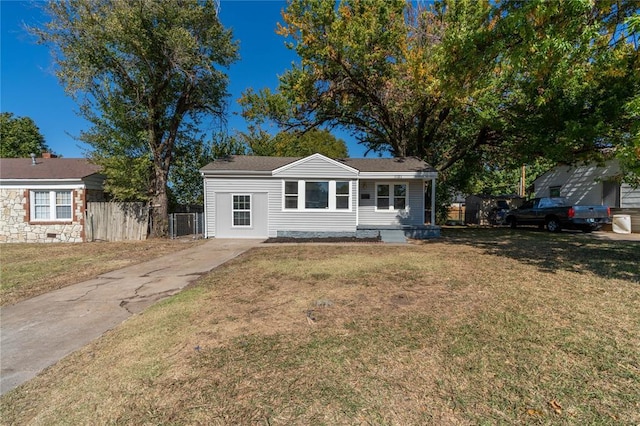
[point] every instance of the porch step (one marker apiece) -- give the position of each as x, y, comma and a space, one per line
395, 236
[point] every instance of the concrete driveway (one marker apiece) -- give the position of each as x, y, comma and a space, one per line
38, 332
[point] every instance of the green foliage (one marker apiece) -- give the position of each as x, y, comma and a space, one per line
20, 137
470, 87
146, 74
629, 152
185, 181
294, 144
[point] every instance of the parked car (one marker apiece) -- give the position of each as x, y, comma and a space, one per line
556, 214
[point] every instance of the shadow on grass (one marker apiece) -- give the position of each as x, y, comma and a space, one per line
570, 251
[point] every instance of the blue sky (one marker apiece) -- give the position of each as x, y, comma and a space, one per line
29, 88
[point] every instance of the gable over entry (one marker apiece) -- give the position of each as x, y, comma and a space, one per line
316, 196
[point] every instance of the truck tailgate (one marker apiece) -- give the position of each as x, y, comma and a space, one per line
590, 212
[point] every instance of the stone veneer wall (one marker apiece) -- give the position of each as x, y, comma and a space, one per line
16, 228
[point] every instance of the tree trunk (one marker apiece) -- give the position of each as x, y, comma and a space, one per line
159, 204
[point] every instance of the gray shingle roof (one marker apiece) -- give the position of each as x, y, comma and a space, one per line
251, 163
407, 164
46, 168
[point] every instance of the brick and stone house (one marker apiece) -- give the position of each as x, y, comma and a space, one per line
45, 199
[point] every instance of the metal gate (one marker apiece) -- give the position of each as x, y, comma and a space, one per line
181, 224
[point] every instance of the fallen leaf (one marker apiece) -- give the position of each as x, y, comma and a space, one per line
534, 413
556, 406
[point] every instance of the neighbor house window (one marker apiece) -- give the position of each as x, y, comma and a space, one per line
241, 210
391, 196
342, 195
51, 205
554, 191
291, 195
316, 195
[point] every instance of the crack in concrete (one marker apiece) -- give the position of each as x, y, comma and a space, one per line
194, 274
148, 274
94, 288
151, 298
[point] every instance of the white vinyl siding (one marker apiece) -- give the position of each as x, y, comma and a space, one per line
279, 219
629, 197
234, 185
583, 185
391, 196
317, 168
370, 215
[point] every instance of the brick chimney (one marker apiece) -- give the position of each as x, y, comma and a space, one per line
48, 155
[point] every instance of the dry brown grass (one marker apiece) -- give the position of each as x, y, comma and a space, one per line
27, 270
474, 328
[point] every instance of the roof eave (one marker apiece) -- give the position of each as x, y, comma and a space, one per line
398, 175
213, 173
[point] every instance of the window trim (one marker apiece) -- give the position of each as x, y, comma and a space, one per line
53, 205
391, 196
336, 195
332, 196
285, 195
250, 210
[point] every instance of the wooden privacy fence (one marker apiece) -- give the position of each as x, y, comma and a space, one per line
116, 221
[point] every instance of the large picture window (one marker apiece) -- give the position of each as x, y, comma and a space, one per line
241, 211
51, 205
310, 195
316, 195
391, 196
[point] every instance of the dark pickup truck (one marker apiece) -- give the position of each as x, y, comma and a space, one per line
556, 214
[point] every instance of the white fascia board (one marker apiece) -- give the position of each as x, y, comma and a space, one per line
224, 173
312, 157
398, 175
42, 184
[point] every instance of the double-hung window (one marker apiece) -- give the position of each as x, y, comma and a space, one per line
291, 194
391, 196
241, 211
51, 205
342, 195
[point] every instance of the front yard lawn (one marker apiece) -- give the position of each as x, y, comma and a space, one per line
27, 270
479, 327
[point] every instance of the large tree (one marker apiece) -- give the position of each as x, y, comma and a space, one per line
20, 137
464, 85
293, 144
145, 73
185, 182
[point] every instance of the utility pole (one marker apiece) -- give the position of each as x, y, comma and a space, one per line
523, 181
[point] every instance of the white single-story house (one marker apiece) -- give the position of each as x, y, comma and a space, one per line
592, 185
588, 185
45, 199
316, 196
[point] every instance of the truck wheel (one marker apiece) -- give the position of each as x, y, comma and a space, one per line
587, 230
553, 225
512, 222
